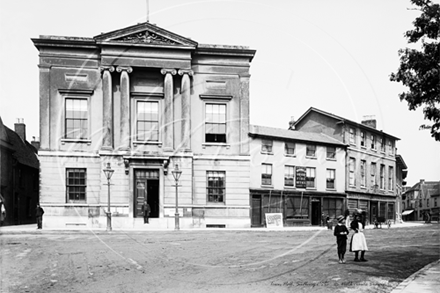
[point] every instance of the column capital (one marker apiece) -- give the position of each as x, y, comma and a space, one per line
129, 69
164, 71
105, 67
186, 71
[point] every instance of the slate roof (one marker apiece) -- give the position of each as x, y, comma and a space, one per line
372, 129
24, 152
264, 131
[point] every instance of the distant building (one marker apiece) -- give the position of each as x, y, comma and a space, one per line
19, 175
420, 200
370, 160
144, 100
300, 174
401, 173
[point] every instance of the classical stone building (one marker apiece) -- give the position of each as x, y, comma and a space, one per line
19, 175
144, 100
370, 160
299, 174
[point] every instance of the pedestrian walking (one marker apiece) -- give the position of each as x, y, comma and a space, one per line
146, 210
341, 233
329, 223
2, 210
358, 242
323, 220
39, 214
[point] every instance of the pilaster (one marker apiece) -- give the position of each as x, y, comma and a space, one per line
125, 106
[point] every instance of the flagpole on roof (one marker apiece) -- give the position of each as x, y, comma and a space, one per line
148, 11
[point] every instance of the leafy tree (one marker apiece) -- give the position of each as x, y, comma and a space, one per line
420, 69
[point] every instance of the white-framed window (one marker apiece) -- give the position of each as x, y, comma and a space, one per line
351, 169
373, 142
76, 124
382, 144
215, 125
352, 136
266, 146
373, 171
331, 176
266, 174
311, 150
363, 138
390, 178
331, 152
310, 177
216, 186
363, 173
289, 148
382, 176
390, 147
147, 121
289, 176
76, 185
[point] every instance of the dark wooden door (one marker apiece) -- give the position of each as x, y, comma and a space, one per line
316, 212
256, 211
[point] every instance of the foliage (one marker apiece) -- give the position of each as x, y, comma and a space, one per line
420, 69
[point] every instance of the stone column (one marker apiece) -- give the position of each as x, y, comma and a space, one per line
44, 107
107, 107
169, 109
186, 109
244, 114
125, 106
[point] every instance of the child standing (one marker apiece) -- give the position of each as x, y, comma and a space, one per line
341, 233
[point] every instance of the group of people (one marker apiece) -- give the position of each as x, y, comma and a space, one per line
358, 242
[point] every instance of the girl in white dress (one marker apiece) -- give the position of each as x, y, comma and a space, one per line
358, 242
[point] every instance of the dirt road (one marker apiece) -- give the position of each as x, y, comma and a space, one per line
211, 261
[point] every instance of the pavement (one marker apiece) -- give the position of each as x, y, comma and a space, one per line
426, 280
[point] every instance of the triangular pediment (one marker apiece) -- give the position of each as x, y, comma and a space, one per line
145, 33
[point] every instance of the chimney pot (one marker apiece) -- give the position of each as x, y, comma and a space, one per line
20, 128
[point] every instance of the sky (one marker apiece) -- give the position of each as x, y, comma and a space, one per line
334, 55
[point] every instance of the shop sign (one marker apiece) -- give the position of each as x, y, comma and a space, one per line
274, 220
301, 177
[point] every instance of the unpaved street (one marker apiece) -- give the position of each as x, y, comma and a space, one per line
210, 261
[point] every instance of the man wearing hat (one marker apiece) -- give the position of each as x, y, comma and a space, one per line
341, 233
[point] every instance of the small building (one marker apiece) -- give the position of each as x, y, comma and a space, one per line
299, 174
420, 202
401, 173
19, 175
370, 160
144, 100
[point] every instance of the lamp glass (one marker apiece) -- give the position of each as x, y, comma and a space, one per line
108, 172
176, 172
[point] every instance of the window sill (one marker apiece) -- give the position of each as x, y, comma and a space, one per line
289, 187
216, 203
266, 186
290, 155
267, 153
310, 188
214, 144
330, 189
158, 143
71, 140
331, 159
311, 158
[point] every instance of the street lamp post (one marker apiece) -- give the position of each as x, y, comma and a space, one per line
108, 174
176, 174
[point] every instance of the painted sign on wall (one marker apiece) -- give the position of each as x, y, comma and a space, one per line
301, 177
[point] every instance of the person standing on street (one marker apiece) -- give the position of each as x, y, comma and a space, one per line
146, 210
341, 233
358, 242
2, 210
39, 214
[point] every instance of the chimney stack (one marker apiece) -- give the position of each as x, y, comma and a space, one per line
369, 120
20, 128
35, 143
291, 122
